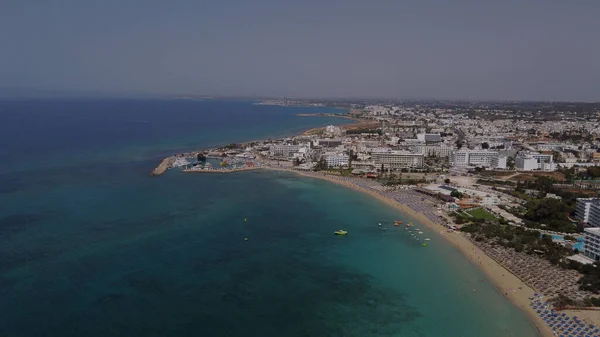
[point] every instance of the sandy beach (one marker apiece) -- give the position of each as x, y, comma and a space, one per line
506, 283
591, 316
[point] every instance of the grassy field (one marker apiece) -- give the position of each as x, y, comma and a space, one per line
480, 213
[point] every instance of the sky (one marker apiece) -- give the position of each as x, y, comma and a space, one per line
402, 49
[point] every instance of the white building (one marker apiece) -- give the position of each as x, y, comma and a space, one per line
549, 147
588, 210
594, 215
500, 162
283, 150
490, 200
333, 130
534, 161
328, 142
434, 151
397, 159
526, 163
548, 166
429, 137
591, 243
303, 153
466, 157
543, 158
337, 160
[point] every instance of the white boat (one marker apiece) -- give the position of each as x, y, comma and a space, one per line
181, 161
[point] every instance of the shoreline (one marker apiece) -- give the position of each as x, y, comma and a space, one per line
506, 283
167, 162
243, 169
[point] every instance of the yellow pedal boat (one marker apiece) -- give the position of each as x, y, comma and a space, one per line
340, 232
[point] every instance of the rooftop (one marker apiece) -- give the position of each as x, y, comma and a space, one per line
594, 230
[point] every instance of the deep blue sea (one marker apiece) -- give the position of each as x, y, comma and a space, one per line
91, 245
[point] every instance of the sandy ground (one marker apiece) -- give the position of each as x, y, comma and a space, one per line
507, 284
587, 316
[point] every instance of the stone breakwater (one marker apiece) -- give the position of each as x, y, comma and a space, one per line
166, 164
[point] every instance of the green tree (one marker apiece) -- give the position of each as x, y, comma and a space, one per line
447, 181
321, 164
510, 163
557, 157
456, 194
350, 158
593, 172
551, 212
485, 145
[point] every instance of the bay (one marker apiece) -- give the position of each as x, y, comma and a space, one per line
91, 245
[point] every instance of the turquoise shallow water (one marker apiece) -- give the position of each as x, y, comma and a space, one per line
102, 249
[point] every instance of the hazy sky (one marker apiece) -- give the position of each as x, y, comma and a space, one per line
480, 49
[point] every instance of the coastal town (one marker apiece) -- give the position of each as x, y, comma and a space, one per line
515, 184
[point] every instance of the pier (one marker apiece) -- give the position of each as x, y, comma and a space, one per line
166, 164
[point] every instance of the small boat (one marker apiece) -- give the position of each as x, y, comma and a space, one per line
340, 232
427, 239
424, 245
379, 224
397, 222
420, 232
